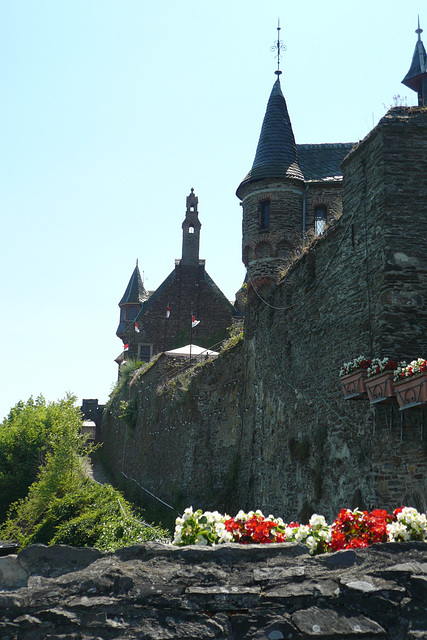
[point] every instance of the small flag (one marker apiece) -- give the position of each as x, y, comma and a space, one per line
168, 312
136, 328
126, 347
194, 322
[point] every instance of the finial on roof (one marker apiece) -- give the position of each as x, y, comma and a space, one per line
137, 262
419, 30
278, 47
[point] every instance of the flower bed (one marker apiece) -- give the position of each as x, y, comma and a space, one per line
351, 529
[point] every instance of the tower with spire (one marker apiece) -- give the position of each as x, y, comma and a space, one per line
272, 191
416, 78
290, 194
155, 321
131, 302
191, 232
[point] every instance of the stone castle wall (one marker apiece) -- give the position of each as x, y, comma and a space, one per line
265, 425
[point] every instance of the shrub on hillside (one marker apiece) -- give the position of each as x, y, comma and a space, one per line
28, 436
63, 506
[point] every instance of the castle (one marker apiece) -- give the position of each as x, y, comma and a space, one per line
335, 245
164, 319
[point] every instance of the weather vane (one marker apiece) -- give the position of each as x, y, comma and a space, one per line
278, 47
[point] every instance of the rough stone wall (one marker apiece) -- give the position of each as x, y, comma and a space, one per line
267, 252
187, 416
231, 592
266, 426
327, 194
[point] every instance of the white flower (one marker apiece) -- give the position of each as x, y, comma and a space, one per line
317, 521
187, 513
311, 543
397, 532
301, 533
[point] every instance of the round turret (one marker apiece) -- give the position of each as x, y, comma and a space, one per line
272, 196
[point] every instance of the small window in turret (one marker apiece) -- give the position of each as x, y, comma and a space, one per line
265, 215
190, 229
192, 208
319, 220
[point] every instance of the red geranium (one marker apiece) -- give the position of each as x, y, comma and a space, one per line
255, 529
354, 529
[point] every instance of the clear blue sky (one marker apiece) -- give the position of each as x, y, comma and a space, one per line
111, 110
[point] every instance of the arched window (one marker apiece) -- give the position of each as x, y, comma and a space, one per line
191, 229
319, 220
265, 215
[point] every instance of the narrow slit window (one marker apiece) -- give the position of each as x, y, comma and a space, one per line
319, 220
265, 215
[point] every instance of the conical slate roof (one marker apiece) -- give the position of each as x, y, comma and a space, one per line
135, 291
276, 155
418, 65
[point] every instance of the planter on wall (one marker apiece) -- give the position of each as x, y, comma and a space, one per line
380, 388
411, 392
353, 385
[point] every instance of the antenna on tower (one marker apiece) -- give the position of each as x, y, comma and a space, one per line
278, 47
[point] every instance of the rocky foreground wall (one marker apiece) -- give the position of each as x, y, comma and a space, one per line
265, 592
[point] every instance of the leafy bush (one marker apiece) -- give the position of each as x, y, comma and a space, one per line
28, 436
63, 506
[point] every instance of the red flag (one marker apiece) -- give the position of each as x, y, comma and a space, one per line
126, 347
194, 322
136, 328
168, 312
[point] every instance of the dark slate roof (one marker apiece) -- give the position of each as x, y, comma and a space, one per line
276, 154
219, 294
154, 296
418, 66
165, 284
322, 161
135, 291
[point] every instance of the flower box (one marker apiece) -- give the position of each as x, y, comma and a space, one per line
353, 385
411, 391
380, 388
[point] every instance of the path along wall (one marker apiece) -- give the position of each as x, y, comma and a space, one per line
265, 425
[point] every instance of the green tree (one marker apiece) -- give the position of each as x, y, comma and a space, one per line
57, 503
29, 436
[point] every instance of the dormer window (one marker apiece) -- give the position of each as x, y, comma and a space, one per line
265, 215
319, 220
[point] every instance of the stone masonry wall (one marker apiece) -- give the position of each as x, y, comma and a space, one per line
265, 425
271, 248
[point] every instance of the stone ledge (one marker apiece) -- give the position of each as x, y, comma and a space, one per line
255, 592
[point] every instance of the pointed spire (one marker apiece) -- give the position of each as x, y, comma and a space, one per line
416, 78
135, 291
276, 154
